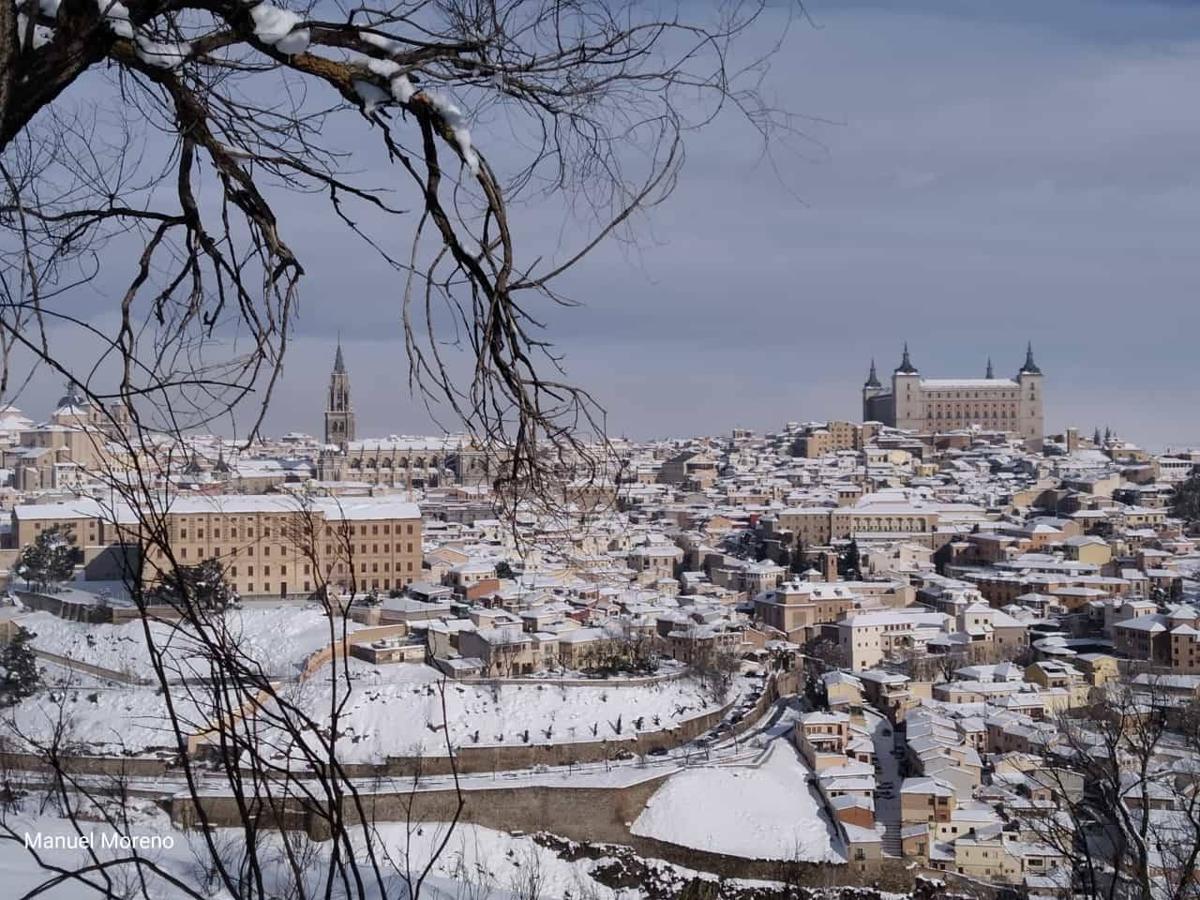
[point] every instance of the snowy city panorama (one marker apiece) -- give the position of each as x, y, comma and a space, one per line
599, 450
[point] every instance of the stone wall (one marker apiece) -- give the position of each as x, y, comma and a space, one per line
581, 814
889, 874
133, 766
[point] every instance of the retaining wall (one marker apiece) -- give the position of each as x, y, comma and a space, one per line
581, 814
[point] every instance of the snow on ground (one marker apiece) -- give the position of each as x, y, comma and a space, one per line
763, 811
495, 864
55, 675
478, 862
397, 711
279, 638
104, 721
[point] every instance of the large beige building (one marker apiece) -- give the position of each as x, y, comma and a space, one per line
817, 441
269, 544
933, 405
884, 513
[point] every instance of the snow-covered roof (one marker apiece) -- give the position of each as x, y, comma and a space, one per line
974, 384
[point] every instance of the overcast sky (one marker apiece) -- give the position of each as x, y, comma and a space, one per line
982, 174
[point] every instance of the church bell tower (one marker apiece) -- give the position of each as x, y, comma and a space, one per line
339, 412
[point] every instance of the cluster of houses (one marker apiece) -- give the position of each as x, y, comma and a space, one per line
953, 594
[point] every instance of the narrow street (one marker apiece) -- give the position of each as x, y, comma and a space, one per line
887, 794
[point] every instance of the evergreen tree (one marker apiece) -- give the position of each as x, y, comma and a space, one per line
19, 677
1186, 502
798, 562
1096, 436
202, 586
848, 562
50, 560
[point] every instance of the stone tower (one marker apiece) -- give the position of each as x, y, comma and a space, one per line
339, 412
1032, 422
908, 403
872, 388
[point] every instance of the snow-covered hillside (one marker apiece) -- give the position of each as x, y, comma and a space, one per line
760, 811
397, 711
277, 638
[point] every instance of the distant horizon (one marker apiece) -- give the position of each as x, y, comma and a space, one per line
371, 424
970, 177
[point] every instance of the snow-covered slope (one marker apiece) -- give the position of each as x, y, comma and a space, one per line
763, 811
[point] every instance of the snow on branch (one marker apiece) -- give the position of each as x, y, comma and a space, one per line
280, 28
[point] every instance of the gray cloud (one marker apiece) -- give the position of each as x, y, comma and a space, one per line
981, 174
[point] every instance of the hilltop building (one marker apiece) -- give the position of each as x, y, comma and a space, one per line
932, 405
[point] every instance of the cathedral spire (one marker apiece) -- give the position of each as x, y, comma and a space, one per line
1030, 367
339, 364
906, 367
339, 412
872, 379
990, 373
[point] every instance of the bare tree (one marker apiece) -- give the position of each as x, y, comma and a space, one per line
167, 147
599, 99
1124, 810
715, 671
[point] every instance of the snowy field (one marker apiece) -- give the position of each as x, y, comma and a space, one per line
756, 812
393, 710
397, 711
92, 721
277, 638
477, 864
